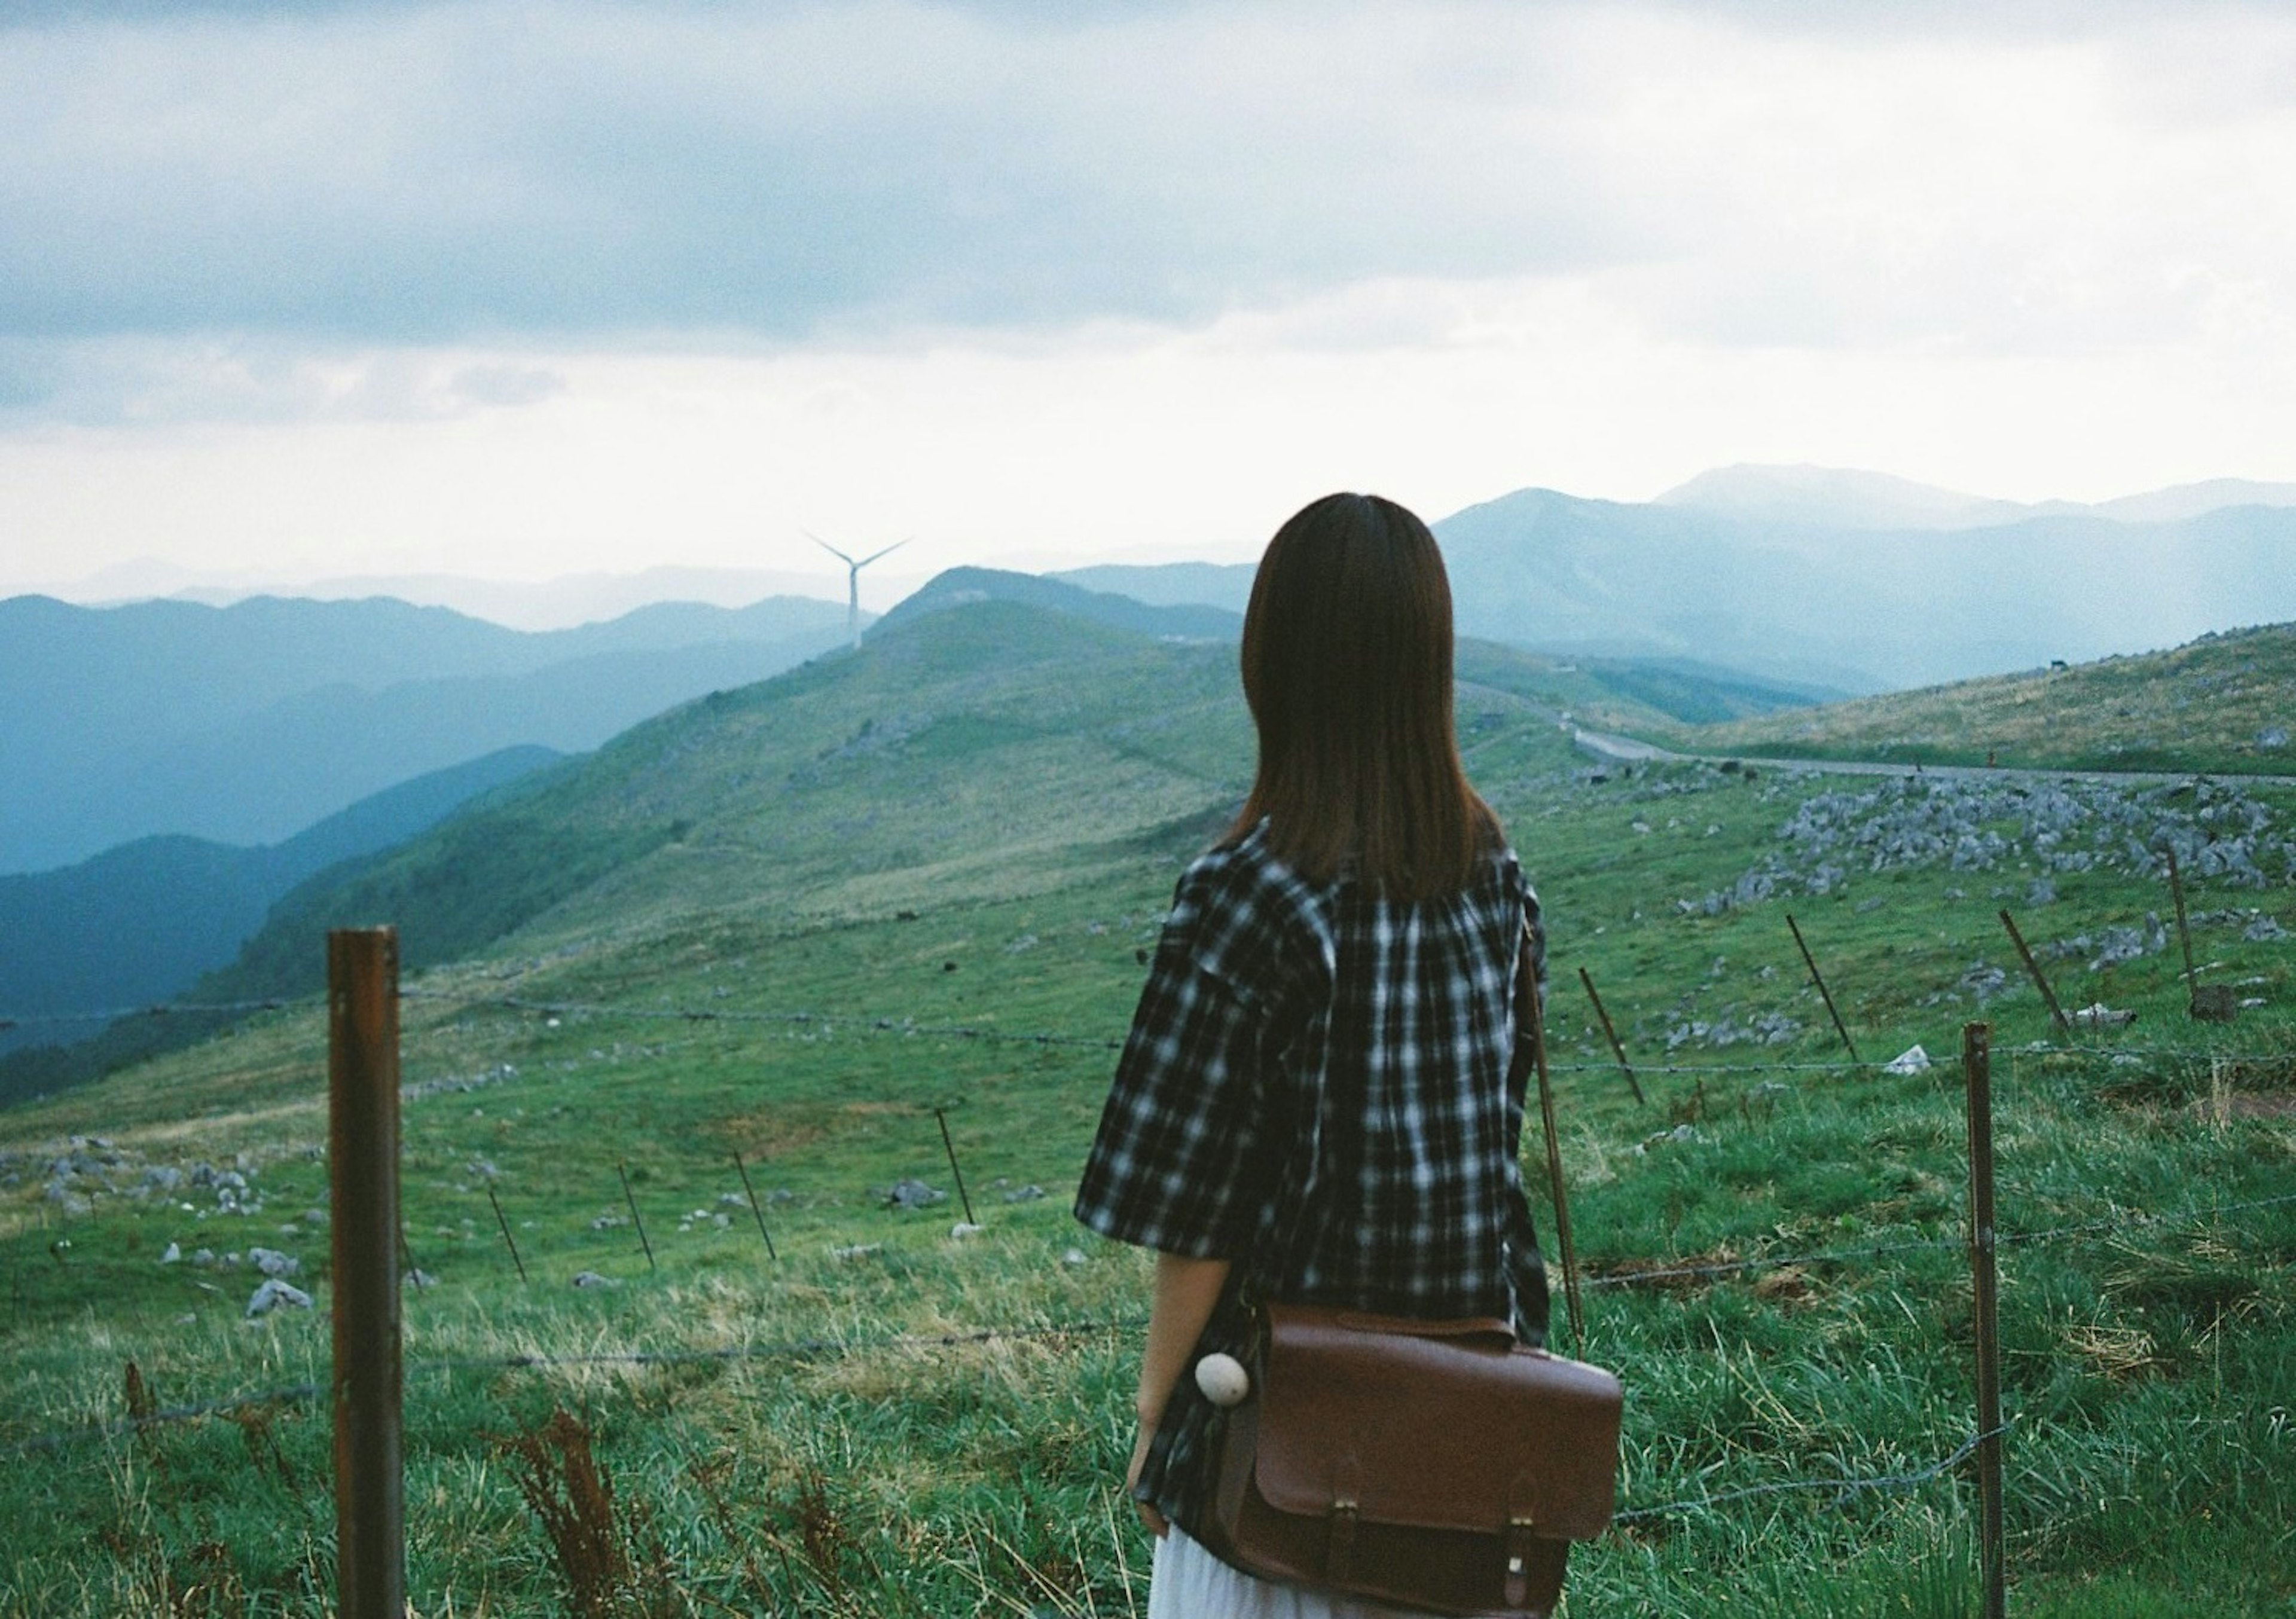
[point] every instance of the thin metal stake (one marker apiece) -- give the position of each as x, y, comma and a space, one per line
508, 1242
1564, 1250
362, 1223
953, 1169
744, 1170
2184, 931
2064, 1025
1825, 993
636, 1219
1616, 1050
1977, 1070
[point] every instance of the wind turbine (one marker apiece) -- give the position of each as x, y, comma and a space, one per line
853, 579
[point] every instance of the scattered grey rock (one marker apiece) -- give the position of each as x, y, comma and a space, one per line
781, 1195
274, 1292
2042, 892
964, 1228
271, 1262
2120, 944
204, 1257
2099, 1016
1072, 1256
2272, 736
909, 1192
606, 1222
591, 1278
1912, 1060
858, 1250
1024, 1194
2264, 930
418, 1279
173, 1254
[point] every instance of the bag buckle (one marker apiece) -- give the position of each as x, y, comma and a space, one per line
1519, 1538
1340, 1542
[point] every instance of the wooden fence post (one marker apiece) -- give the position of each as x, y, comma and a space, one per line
363, 1176
1977, 1071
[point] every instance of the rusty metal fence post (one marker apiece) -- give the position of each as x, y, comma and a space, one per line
1977, 1073
1825, 993
1618, 1048
363, 1175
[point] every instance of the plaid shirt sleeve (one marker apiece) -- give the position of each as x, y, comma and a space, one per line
1181, 1163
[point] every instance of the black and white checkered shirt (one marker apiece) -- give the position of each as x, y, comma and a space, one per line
1316, 1087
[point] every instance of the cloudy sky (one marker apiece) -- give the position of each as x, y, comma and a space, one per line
524, 288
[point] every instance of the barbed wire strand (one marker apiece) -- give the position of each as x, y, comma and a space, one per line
1847, 1487
877, 1023
1843, 1255
798, 1349
817, 1348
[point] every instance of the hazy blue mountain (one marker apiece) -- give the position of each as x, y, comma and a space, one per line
242, 724
958, 587
1844, 581
1837, 498
1226, 585
139, 923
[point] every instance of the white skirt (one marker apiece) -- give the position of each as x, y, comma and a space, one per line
1188, 1582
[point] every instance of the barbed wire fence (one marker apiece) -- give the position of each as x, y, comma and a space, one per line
1627, 1275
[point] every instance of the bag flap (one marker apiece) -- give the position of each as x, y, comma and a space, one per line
1433, 1426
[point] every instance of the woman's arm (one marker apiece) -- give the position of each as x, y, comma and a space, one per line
1186, 1289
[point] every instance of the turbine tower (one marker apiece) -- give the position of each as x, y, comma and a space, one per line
853, 579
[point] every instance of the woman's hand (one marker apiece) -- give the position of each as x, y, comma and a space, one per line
1148, 1513
1186, 1289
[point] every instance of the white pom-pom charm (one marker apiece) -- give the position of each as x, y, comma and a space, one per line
1223, 1379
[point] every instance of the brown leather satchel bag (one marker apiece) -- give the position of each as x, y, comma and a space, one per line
1432, 1465
1435, 1465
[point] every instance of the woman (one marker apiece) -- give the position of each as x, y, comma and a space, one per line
1314, 1097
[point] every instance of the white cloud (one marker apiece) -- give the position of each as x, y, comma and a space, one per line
523, 287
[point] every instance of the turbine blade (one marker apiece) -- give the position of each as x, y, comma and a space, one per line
831, 549
888, 551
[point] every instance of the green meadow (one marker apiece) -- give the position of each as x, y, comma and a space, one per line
2220, 703
796, 921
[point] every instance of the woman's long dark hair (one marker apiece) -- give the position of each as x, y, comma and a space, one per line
1346, 667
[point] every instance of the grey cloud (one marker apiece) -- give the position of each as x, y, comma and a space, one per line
437, 175
139, 379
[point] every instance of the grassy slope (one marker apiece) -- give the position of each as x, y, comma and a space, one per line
2201, 706
1027, 791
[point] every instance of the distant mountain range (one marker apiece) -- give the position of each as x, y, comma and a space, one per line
1849, 580
244, 725
139, 923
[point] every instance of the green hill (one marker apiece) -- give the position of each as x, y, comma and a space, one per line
988, 751
797, 921
2224, 703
